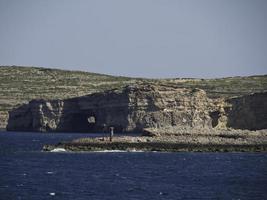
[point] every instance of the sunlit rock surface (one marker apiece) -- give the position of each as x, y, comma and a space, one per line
141, 106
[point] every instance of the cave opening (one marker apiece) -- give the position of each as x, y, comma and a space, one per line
83, 122
214, 118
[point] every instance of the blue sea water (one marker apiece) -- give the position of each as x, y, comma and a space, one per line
28, 173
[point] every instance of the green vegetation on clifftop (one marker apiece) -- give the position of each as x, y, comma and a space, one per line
21, 84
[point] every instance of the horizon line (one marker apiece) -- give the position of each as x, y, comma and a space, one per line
126, 76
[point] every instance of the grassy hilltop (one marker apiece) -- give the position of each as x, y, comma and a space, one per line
21, 84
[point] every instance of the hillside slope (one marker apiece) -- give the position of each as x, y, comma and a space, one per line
21, 84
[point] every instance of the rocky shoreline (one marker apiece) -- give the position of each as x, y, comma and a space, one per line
203, 141
171, 118
159, 147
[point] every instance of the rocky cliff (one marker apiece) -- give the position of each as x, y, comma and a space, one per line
130, 110
140, 106
19, 85
248, 112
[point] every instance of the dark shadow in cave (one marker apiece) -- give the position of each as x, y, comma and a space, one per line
83, 122
214, 118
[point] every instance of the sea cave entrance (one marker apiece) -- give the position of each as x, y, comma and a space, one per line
215, 118
83, 122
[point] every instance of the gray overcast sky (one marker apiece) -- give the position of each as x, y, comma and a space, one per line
145, 38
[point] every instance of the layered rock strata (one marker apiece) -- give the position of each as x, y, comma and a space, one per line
138, 107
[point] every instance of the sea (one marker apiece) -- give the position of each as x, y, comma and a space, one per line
26, 172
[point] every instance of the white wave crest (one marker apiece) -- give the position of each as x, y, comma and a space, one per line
58, 150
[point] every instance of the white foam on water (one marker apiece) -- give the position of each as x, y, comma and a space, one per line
109, 151
134, 150
58, 150
52, 193
50, 172
118, 151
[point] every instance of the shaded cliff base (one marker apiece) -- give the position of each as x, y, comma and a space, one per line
195, 140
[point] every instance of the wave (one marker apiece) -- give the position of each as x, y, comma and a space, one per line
58, 150
109, 151
117, 151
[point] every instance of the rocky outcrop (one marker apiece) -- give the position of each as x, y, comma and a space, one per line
168, 139
248, 112
138, 107
130, 110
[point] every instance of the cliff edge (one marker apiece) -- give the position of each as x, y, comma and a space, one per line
139, 106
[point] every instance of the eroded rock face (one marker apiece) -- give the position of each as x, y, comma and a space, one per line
248, 112
133, 109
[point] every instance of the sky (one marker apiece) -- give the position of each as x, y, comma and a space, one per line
137, 38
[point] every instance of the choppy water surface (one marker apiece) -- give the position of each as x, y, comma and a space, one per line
27, 173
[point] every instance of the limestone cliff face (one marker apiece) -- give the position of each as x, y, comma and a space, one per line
165, 106
248, 112
37, 115
132, 109
138, 107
